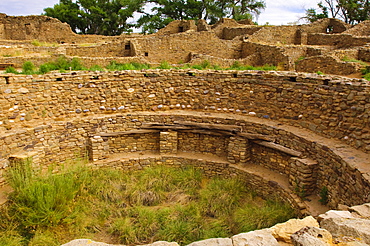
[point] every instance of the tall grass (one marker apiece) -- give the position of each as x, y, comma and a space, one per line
42, 200
159, 203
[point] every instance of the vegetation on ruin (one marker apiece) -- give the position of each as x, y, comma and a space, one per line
63, 64
113, 17
158, 203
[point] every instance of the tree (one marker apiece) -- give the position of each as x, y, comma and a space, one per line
165, 11
69, 12
104, 17
350, 11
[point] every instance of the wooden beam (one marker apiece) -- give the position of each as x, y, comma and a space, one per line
279, 147
231, 128
115, 134
167, 127
215, 133
255, 136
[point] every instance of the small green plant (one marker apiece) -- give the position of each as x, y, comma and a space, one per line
205, 64
11, 70
236, 65
96, 68
319, 73
324, 194
28, 68
35, 42
164, 65
347, 59
114, 66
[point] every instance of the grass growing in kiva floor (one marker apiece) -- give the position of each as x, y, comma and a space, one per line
156, 203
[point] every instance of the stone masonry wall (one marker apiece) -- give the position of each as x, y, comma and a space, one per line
337, 107
77, 106
272, 159
203, 143
66, 140
338, 40
327, 64
133, 143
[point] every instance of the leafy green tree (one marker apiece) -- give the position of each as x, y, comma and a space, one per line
312, 15
104, 17
350, 11
69, 12
165, 11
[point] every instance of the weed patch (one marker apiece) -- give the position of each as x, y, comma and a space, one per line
138, 207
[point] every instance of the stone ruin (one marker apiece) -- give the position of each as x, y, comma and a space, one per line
328, 45
289, 134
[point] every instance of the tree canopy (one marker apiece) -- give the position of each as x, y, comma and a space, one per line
350, 11
105, 17
110, 17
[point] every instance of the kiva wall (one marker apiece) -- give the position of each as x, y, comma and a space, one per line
63, 114
334, 107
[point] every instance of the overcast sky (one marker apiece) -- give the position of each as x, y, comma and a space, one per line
277, 12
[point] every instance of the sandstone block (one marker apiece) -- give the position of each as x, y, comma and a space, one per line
255, 238
334, 214
356, 228
311, 236
83, 242
361, 210
213, 242
162, 243
283, 231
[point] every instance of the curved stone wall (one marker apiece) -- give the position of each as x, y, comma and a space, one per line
296, 125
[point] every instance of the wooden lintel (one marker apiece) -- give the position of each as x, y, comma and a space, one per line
279, 148
215, 133
230, 128
167, 127
114, 134
255, 136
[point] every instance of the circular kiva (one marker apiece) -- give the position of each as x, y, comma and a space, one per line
286, 134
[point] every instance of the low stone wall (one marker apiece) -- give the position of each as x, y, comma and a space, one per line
337, 40
340, 169
327, 65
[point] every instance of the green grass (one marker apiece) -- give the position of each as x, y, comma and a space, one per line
158, 203
63, 64
114, 66
347, 59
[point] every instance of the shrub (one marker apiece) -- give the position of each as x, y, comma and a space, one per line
35, 42
42, 200
47, 67
96, 68
324, 194
28, 68
11, 70
164, 65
